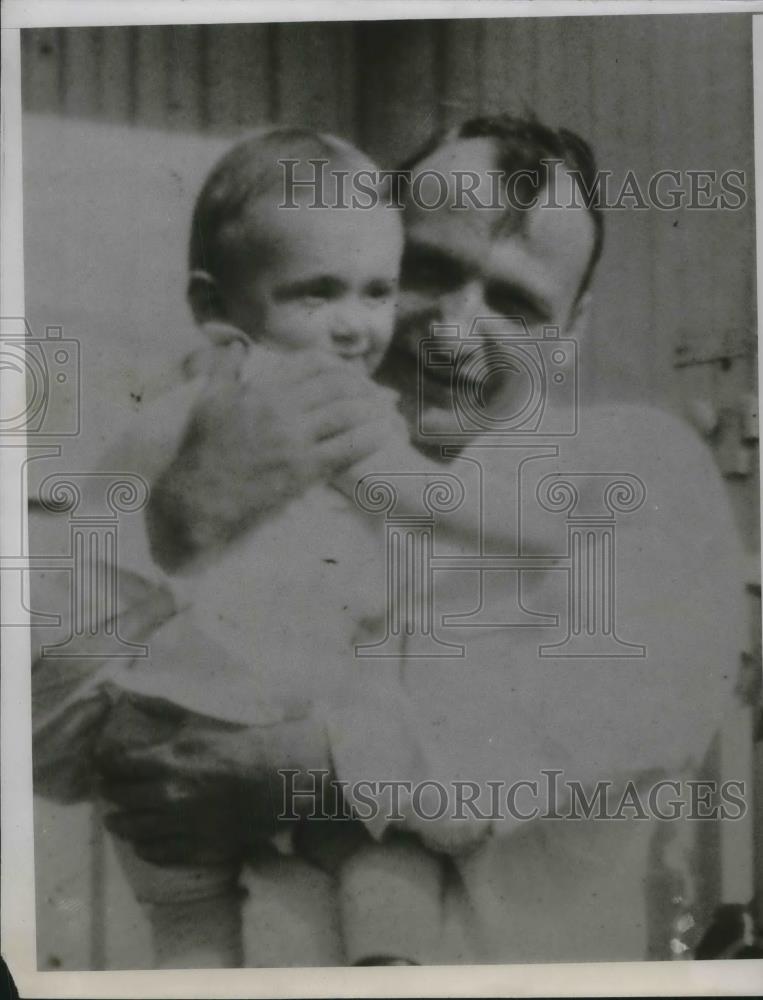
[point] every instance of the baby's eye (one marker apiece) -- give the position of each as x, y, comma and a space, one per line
314, 299
313, 291
379, 290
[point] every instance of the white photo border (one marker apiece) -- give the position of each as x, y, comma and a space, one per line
17, 911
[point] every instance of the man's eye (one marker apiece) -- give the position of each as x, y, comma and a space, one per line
510, 303
423, 275
506, 305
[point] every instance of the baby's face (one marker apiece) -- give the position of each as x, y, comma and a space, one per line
326, 281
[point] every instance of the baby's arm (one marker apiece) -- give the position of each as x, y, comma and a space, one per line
458, 529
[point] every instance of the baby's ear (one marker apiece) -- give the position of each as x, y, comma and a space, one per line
205, 298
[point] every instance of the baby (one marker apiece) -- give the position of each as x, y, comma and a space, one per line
265, 631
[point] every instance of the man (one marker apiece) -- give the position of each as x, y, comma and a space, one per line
522, 887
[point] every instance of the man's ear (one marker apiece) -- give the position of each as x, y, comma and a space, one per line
579, 317
204, 297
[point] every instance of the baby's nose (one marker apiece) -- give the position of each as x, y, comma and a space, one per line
349, 339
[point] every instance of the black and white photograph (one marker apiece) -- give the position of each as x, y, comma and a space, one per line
381, 547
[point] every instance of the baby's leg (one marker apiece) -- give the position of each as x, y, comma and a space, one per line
390, 903
194, 911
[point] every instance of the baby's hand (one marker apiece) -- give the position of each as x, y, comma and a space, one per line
266, 427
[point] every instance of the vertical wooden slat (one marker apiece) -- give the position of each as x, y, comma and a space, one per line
550, 98
461, 61
509, 62
41, 54
150, 76
564, 84
82, 86
672, 231
693, 145
597, 346
116, 77
397, 82
220, 53
346, 72
702, 251
309, 80
184, 82
618, 352
638, 107
252, 73
704, 382
729, 43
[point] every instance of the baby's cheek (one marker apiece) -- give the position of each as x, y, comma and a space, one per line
383, 327
293, 327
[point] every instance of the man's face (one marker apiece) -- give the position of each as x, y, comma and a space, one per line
485, 264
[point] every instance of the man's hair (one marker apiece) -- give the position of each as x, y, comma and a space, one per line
223, 219
523, 143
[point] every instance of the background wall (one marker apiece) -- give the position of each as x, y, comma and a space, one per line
648, 92
121, 125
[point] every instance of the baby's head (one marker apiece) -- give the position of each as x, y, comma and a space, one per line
294, 278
